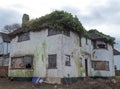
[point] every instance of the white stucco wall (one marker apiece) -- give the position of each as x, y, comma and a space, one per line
72, 47
104, 55
41, 45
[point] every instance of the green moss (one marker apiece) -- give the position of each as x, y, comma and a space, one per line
80, 69
98, 73
57, 20
43, 50
76, 41
21, 73
40, 55
117, 72
93, 33
91, 73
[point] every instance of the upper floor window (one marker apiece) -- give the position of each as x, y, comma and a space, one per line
24, 62
100, 44
66, 32
80, 41
24, 37
54, 32
86, 40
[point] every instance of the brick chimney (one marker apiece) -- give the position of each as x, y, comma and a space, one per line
25, 18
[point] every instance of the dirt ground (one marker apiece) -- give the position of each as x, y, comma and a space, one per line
81, 84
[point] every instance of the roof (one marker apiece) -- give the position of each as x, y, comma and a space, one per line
5, 37
116, 52
57, 20
96, 35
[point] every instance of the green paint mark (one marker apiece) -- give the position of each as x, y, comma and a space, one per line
40, 56
80, 69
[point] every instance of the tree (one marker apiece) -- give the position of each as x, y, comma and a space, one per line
11, 28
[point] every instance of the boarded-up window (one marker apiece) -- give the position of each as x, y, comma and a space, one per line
22, 62
52, 61
100, 65
24, 37
67, 60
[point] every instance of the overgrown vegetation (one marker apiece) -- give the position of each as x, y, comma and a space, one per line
93, 32
57, 20
61, 20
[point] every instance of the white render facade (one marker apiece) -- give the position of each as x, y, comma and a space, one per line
73, 57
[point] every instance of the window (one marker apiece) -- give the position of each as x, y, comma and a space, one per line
86, 41
100, 65
66, 32
100, 44
80, 43
24, 37
52, 62
54, 32
24, 62
67, 60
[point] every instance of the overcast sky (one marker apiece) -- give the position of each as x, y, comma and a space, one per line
103, 15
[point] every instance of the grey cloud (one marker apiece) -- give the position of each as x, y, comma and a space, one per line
72, 10
109, 14
8, 16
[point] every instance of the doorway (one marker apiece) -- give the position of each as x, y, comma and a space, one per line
86, 67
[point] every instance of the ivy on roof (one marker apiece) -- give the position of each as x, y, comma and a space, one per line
93, 33
57, 20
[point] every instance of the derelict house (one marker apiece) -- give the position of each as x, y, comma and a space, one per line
54, 47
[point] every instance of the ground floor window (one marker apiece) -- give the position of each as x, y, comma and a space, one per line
24, 62
100, 65
52, 61
67, 60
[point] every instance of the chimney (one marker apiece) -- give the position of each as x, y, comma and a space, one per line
25, 18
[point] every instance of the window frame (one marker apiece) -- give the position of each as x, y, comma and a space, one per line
14, 58
106, 67
67, 61
52, 32
86, 41
95, 45
22, 35
52, 64
80, 41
